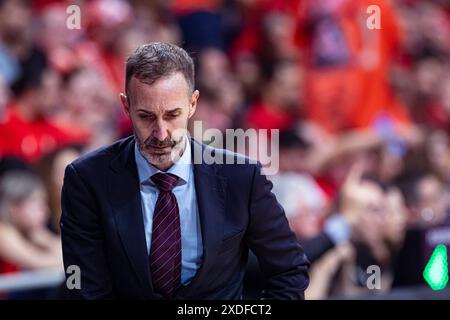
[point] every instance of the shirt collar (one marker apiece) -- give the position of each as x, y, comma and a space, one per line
181, 168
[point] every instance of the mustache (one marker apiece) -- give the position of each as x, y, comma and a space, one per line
155, 143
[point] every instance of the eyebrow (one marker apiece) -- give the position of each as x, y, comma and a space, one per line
173, 110
167, 111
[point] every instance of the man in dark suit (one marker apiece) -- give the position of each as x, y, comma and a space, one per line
144, 219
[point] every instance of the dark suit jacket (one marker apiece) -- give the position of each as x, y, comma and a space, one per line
103, 231
314, 249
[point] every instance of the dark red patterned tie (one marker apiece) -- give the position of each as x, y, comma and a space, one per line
165, 251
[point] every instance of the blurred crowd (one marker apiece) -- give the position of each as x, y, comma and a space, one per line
363, 114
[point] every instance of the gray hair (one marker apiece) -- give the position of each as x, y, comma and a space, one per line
153, 61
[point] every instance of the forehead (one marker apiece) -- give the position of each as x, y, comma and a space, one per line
166, 90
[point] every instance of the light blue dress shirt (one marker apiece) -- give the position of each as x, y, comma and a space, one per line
191, 238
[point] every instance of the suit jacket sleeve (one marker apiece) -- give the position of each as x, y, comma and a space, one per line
279, 254
82, 238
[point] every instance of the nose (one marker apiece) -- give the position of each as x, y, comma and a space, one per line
160, 131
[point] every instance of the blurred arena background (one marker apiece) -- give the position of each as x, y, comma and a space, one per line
364, 120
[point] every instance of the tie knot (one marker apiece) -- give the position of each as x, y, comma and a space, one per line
165, 181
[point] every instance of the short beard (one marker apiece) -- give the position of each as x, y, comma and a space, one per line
158, 160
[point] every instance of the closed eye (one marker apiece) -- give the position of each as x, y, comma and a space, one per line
172, 115
145, 116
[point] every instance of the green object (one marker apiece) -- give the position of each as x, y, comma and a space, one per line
436, 271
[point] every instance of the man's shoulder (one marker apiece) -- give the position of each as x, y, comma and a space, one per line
225, 161
219, 154
101, 157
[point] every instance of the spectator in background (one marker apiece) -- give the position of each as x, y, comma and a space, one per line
51, 169
15, 37
106, 22
367, 229
335, 269
325, 239
267, 35
88, 108
222, 96
157, 21
347, 65
280, 97
297, 191
429, 213
35, 89
58, 42
367, 232
27, 123
200, 23
25, 242
427, 200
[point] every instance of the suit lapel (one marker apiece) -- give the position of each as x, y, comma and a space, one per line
126, 204
210, 192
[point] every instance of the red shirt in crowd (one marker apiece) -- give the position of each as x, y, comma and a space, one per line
263, 116
29, 140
